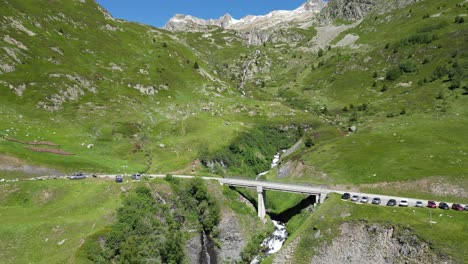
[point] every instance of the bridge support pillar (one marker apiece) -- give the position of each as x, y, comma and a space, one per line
261, 202
321, 198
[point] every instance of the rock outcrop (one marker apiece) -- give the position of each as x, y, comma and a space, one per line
354, 10
230, 236
360, 242
255, 30
301, 15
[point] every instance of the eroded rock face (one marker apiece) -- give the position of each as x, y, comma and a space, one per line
193, 249
360, 242
255, 30
231, 240
354, 10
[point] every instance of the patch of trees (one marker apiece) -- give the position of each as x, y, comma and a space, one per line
148, 230
433, 26
251, 152
195, 198
145, 231
421, 38
406, 66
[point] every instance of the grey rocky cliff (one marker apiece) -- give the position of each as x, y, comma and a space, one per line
193, 248
230, 236
361, 242
255, 30
353, 10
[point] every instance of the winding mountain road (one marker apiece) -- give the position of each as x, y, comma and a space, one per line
322, 192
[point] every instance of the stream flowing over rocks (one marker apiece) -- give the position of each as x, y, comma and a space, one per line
273, 243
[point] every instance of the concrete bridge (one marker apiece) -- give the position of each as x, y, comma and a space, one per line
261, 186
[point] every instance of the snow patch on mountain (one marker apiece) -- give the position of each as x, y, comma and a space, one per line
275, 19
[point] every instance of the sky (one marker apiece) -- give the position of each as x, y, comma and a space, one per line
158, 12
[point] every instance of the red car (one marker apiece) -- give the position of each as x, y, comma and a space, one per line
431, 204
457, 207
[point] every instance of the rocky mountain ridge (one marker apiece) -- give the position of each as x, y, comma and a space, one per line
280, 18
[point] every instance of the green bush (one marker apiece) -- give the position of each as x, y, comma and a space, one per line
320, 53
408, 66
433, 27
439, 72
393, 74
420, 38
309, 143
459, 20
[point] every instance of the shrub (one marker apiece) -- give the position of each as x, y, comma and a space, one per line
309, 143
407, 66
320, 53
393, 74
459, 20
439, 72
384, 88
465, 90
196, 66
433, 26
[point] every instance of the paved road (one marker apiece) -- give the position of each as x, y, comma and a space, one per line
285, 187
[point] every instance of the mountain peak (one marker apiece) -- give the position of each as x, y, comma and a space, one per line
301, 15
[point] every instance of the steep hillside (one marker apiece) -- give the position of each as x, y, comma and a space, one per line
365, 95
342, 231
399, 81
120, 96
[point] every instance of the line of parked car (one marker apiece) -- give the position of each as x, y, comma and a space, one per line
403, 202
118, 178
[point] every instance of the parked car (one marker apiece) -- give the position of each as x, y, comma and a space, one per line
431, 204
364, 199
136, 176
391, 202
444, 206
78, 176
466, 207
355, 198
376, 200
457, 207
345, 196
118, 178
419, 204
404, 203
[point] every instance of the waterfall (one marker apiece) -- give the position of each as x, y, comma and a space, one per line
208, 253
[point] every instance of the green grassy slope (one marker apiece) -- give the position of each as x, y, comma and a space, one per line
84, 66
45, 222
410, 130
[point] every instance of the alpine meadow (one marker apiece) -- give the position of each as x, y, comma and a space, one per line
336, 132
